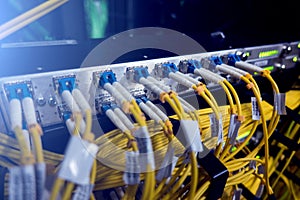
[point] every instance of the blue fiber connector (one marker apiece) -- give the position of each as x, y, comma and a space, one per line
216, 60
233, 58
67, 83
168, 68
140, 72
107, 77
18, 91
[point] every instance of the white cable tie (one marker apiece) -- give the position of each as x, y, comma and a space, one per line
78, 161
189, 135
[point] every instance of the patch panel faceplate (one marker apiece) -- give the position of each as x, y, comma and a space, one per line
49, 105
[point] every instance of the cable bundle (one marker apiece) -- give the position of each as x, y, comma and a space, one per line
151, 155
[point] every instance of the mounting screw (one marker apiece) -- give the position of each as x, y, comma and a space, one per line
41, 101
52, 101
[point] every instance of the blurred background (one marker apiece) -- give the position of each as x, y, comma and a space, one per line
63, 38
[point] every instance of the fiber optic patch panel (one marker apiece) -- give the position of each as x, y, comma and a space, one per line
152, 129
45, 88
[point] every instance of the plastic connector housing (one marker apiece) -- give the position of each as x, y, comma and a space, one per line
232, 59
216, 60
163, 70
64, 83
189, 66
104, 108
18, 90
107, 77
135, 73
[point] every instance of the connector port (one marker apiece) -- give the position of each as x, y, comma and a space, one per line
103, 77
62, 83
135, 73
188, 66
162, 70
18, 90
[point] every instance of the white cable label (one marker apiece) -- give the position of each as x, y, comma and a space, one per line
233, 129
255, 109
78, 161
216, 127
83, 192
252, 164
15, 184
168, 164
279, 103
40, 175
29, 186
189, 135
142, 137
237, 194
131, 175
260, 191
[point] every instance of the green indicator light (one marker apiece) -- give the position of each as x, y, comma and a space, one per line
247, 54
270, 68
298, 45
233, 149
268, 53
258, 157
295, 59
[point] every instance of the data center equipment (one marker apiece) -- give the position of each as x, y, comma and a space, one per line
198, 126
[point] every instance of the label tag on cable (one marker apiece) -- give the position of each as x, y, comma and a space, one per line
15, 184
260, 191
234, 126
78, 161
83, 192
216, 127
29, 187
40, 176
132, 172
168, 164
237, 194
220, 131
279, 103
189, 135
143, 139
255, 109
252, 164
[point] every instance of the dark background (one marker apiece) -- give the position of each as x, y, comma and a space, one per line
244, 23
